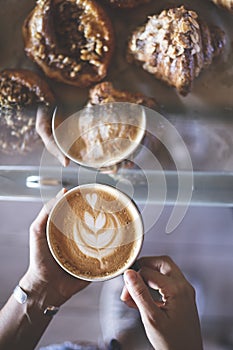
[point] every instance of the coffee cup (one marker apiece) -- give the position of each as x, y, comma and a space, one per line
95, 232
101, 136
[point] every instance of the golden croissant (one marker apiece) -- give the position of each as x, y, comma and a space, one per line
175, 46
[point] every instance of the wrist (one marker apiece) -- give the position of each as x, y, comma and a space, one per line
41, 292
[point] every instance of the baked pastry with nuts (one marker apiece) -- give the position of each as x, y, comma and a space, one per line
106, 93
71, 40
175, 46
126, 3
21, 91
225, 3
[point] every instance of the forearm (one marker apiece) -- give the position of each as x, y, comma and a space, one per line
22, 325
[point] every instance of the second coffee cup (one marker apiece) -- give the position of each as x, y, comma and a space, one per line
101, 136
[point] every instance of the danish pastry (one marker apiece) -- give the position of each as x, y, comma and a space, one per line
71, 40
127, 3
105, 93
225, 3
21, 91
175, 46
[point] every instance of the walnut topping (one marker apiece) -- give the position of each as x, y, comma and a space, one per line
194, 22
192, 14
21, 91
72, 74
66, 60
14, 95
171, 32
17, 131
184, 26
82, 37
77, 68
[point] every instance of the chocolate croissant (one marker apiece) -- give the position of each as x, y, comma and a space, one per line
175, 46
126, 3
71, 40
225, 3
106, 93
21, 91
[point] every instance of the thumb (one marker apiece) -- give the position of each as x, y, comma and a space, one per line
140, 294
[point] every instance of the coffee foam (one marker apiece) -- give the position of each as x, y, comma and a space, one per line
94, 233
102, 135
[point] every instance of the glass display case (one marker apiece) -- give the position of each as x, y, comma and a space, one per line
202, 119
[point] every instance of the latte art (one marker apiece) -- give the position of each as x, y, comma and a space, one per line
102, 135
91, 199
105, 137
94, 233
98, 237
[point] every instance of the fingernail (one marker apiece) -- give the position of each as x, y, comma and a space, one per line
130, 276
122, 297
63, 161
61, 192
66, 162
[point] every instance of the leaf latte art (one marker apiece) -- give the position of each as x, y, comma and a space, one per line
95, 232
98, 237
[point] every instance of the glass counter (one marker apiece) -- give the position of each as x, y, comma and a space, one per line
203, 119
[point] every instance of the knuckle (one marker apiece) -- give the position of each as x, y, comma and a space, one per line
32, 228
166, 259
35, 228
140, 293
190, 290
184, 289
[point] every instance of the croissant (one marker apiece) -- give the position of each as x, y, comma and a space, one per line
71, 40
21, 91
127, 3
225, 3
105, 93
175, 46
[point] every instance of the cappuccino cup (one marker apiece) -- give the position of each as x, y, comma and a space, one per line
101, 136
95, 232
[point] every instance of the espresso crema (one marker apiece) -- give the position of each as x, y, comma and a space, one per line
95, 232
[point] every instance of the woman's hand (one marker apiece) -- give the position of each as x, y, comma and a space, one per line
46, 285
44, 275
171, 323
44, 130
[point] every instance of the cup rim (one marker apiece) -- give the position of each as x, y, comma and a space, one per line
138, 246
110, 163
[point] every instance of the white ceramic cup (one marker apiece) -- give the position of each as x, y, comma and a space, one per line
97, 232
100, 136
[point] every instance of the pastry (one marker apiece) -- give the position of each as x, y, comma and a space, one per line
225, 3
106, 93
175, 46
71, 40
127, 3
21, 91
